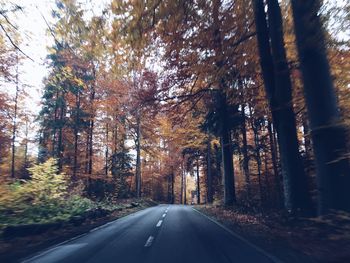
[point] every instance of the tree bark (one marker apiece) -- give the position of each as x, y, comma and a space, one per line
225, 133
107, 150
60, 140
273, 152
257, 153
182, 182
328, 134
209, 172
76, 136
14, 127
307, 141
138, 156
198, 182
227, 155
92, 122
297, 185
185, 188
26, 139
91, 146
172, 187
278, 90
245, 151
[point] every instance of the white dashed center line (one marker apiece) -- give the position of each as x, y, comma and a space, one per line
164, 215
149, 241
159, 223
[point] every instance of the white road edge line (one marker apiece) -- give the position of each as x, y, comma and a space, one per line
149, 241
268, 255
159, 223
51, 248
164, 215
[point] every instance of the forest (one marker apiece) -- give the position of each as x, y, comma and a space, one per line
228, 103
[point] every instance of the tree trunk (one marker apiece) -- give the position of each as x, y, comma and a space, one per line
257, 153
60, 141
307, 141
107, 150
209, 172
185, 188
91, 146
172, 187
278, 90
266, 172
327, 133
138, 157
14, 127
76, 137
245, 152
198, 182
273, 151
227, 156
297, 184
182, 182
225, 136
86, 162
26, 134
54, 128
92, 121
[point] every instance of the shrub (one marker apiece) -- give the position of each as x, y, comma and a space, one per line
43, 198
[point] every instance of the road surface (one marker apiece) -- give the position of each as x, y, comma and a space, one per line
164, 234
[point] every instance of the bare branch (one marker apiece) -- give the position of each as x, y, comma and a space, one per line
14, 44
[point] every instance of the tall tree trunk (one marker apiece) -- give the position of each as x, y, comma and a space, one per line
257, 153
198, 182
278, 90
168, 188
225, 136
107, 150
91, 146
54, 128
245, 151
172, 187
60, 141
138, 156
209, 172
273, 152
86, 162
297, 185
328, 134
307, 141
227, 155
76, 136
92, 121
26, 139
14, 125
266, 172
182, 182
185, 188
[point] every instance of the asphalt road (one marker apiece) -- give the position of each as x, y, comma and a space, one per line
164, 234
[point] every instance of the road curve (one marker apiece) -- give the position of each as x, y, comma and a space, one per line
164, 234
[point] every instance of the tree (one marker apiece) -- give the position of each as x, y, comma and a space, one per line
327, 132
278, 90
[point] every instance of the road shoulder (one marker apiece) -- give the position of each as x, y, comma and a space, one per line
277, 241
14, 249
